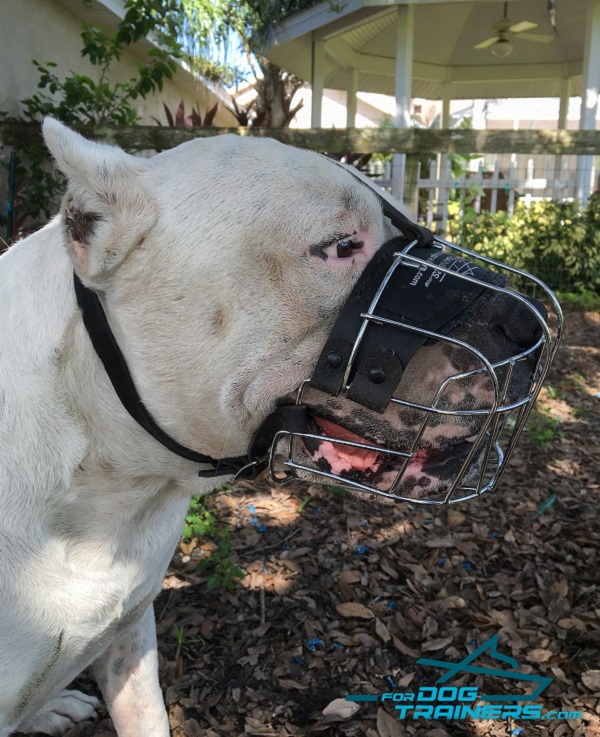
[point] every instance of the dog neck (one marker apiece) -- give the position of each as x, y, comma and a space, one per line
54, 368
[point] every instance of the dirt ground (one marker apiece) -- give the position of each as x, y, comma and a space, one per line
343, 597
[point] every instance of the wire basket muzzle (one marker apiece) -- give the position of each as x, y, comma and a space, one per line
417, 472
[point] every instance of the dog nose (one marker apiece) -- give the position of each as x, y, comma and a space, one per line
518, 322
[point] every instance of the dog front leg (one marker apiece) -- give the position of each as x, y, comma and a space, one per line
127, 674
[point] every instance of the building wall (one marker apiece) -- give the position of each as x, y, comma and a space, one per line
334, 110
46, 31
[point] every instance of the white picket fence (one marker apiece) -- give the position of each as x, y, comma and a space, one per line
491, 185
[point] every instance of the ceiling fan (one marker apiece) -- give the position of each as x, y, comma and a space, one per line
504, 28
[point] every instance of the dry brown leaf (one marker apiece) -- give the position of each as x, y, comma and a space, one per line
539, 655
174, 582
455, 518
281, 585
192, 728
560, 674
591, 679
455, 602
209, 546
341, 708
562, 731
176, 715
354, 609
186, 548
363, 638
206, 629
385, 566
569, 622
382, 631
558, 608
559, 588
289, 683
349, 577
387, 726
405, 649
441, 542
437, 644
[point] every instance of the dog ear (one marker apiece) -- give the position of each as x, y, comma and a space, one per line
106, 210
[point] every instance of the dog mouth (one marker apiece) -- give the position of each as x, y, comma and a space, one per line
408, 473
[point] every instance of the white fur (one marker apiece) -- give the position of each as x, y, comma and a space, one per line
201, 257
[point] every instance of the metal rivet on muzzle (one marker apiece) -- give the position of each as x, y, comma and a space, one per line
377, 375
334, 359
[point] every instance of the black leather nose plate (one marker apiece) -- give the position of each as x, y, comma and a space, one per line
421, 296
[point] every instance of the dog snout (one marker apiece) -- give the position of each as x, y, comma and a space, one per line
517, 321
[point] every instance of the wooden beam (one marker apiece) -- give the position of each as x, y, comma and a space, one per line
335, 140
346, 56
514, 72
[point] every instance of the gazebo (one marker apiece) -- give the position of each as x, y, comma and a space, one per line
428, 48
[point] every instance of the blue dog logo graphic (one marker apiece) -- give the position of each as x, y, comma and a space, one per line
491, 646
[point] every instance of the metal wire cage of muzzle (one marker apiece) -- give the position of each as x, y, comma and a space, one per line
500, 424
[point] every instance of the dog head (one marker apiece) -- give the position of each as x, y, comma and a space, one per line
222, 265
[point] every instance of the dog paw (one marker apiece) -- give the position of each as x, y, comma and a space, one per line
59, 714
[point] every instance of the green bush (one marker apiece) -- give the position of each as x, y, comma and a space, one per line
559, 242
583, 299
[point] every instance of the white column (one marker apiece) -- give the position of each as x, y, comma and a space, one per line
563, 115
442, 194
563, 108
446, 98
589, 95
351, 90
405, 25
317, 76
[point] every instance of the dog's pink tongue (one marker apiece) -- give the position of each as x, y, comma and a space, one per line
341, 457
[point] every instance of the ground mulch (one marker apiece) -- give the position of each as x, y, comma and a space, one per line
343, 597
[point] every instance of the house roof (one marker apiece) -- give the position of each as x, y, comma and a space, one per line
362, 35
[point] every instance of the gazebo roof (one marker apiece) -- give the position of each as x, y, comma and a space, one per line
362, 36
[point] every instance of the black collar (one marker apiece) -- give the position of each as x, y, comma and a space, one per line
105, 345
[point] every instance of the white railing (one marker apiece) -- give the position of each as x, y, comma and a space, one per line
489, 185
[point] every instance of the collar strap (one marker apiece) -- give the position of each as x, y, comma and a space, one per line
105, 345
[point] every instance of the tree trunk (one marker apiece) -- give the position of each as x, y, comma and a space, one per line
273, 104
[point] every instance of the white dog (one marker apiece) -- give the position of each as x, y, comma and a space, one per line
221, 265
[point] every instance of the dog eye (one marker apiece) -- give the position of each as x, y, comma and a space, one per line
346, 248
